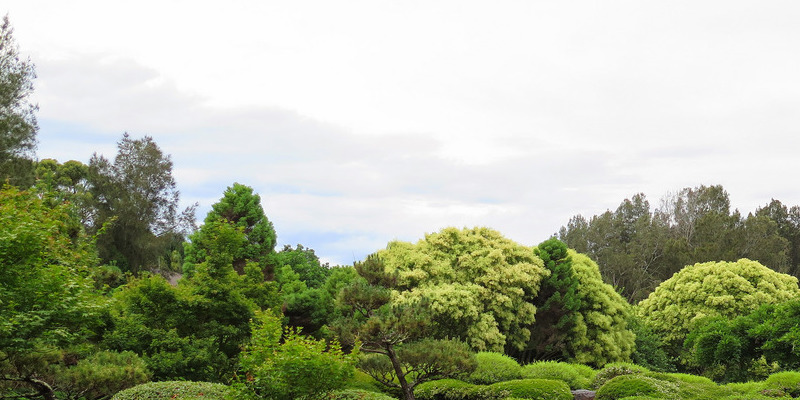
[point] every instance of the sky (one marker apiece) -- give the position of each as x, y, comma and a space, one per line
363, 122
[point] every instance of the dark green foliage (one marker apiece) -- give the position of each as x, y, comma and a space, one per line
649, 351
174, 390
240, 208
636, 385
574, 375
18, 125
494, 367
557, 304
135, 207
543, 389
613, 370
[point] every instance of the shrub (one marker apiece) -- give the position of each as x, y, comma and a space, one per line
101, 375
356, 394
445, 389
569, 373
494, 367
174, 390
361, 380
616, 369
541, 389
787, 382
636, 385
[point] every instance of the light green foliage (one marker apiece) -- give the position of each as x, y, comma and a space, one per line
543, 389
47, 298
494, 367
600, 335
174, 390
725, 289
18, 125
298, 367
786, 383
101, 375
479, 285
355, 394
636, 385
572, 374
453, 389
613, 370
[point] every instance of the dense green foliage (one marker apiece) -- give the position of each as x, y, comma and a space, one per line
290, 366
544, 389
725, 289
174, 390
637, 248
136, 207
479, 286
100, 375
494, 367
18, 125
636, 385
577, 376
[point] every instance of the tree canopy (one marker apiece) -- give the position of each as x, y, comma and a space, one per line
725, 289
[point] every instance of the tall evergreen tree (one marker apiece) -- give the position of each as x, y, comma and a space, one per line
18, 125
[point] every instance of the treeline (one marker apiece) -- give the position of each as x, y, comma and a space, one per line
638, 246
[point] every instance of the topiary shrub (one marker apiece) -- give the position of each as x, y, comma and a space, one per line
540, 389
494, 367
444, 389
569, 373
361, 380
174, 390
356, 394
787, 383
692, 386
636, 385
101, 375
614, 370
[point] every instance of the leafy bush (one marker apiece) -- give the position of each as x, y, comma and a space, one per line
787, 383
541, 389
636, 385
101, 375
174, 390
494, 367
452, 389
361, 380
692, 386
616, 369
356, 394
571, 374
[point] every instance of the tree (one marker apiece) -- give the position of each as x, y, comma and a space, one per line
395, 335
290, 366
136, 206
480, 286
240, 207
47, 295
726, 289
557, 304
18, 125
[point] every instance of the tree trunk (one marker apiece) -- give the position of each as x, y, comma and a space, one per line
408, 393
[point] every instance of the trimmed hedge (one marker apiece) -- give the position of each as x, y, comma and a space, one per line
613, 370
494, 367
785, 383
574, 375
636, 385
356, 394
453, 389
541, 389
174, 390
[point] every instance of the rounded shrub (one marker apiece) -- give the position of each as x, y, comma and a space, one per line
636, 385
613, 370
174, 390
541, 389
494, 367
362, 381
356, 394
787, 382
444, 389
569, 373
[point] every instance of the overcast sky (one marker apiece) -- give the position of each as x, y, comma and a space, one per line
360, 122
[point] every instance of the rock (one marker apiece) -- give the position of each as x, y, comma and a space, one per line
583, 394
